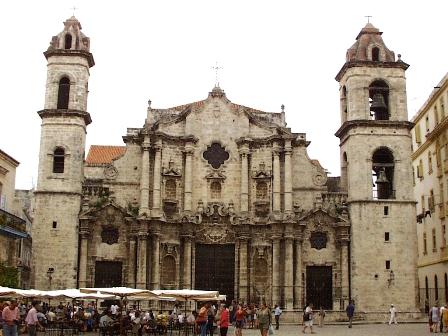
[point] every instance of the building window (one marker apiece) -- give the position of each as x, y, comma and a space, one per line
387, 264
427, 123
438, 154
386, 236
418, 138
442, 108
420, 170
386, 210
375, 54
68, 41
58, 160
429, 162
383, 174
215, 155
55, 224
63, 93
215, 188
170, 189
431, 200
425, 245
379, 100
436, 115
434, 240
426, 288
262, 190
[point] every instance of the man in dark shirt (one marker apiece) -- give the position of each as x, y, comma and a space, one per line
350, 312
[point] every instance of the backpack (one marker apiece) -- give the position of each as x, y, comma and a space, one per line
306, 316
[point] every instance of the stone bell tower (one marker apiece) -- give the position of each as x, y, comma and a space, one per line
375, 145
61, 159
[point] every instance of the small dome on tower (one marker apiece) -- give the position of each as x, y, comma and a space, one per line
217, 92
71, 38
369, 46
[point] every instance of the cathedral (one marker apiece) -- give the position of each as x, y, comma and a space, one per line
218, 195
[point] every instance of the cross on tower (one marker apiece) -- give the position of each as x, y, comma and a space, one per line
216, 68
368, 18
74, 9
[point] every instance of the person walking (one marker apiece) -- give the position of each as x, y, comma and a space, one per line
308, 319
393, 314
277, 313
11, 318
240, 315
321, 317
224, 320
264, 319
31, 319
434, 318
350, 312
201, 320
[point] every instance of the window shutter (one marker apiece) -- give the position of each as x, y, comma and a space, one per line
417, 134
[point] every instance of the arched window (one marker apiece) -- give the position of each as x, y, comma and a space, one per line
215, 188
383, 174
379, 100
68, 41
168, 272
436, 288
262, 190
170, 189
63, 93
375, 54
426, 288
344, 102
58, 160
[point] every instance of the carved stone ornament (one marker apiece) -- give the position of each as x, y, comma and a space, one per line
319, 179
214, 223
109, 235
110, 172
318, 240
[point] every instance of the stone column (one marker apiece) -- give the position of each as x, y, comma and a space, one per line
289, 276
141, 260
84, 235
156, 199
275, 270
187, 263
244, 152
189, 150
155, 279
298, 290
288, 176
131, 262
276, 178
243, 280
144, 179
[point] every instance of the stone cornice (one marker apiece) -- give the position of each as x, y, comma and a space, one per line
183, 138
65, 113
64, 52
348, 125
8, 158
72, 193
370, 64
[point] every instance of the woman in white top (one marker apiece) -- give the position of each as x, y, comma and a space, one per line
308, 319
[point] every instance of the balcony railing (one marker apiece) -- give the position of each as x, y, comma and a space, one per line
376, 196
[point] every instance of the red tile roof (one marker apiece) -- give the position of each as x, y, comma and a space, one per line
104, 154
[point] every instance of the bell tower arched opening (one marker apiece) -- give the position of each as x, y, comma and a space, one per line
68, 41
379, 100
383, 174
63, 93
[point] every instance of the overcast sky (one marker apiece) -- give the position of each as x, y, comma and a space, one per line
273, 53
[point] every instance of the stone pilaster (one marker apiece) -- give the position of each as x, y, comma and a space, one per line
298, 290
131, 262
84, 246
244, 152
288, 176
141, 259
144, 179
344, 269
243, 278
155, 274
275, 270
189, 151
156, 200
289, 276
276, 178
187, 263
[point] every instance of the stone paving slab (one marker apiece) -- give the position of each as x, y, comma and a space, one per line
415, 329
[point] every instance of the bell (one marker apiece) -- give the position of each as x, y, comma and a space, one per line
382, 178
378, 102
382, 184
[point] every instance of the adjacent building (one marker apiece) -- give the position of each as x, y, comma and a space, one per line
217, 195
13, 233
430, 178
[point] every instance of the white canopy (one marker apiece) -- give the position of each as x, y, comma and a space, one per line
187, 294
6, 291
30, 293
215, 298
77, 294
117, 291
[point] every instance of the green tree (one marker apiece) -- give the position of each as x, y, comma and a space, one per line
9, 276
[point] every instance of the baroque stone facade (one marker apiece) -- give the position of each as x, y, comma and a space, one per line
217, 195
